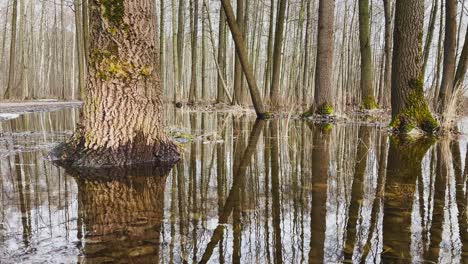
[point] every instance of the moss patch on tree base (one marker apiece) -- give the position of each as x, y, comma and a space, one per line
369, 103
325, 109
415, 115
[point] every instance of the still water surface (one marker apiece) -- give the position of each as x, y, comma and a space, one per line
245, 192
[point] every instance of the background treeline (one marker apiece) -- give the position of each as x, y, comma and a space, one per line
43, 49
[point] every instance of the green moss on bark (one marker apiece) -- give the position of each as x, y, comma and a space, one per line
369, 103
113, 11
325, 109
416, 114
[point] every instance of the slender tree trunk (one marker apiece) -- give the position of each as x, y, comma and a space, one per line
367, 90
409, 107
193, 81
24, 93
385, 94
305, 77
246, 66
85, 17
122, 120
436, 86
430, 34
11, 71
4, 38
180, 45
162, 44
460, 23
175, 55
323, 102
238, 66
275, 82
80, 50
204, 73
221, 56
450, 55
462, 64
221, 74
62, 37
270, 48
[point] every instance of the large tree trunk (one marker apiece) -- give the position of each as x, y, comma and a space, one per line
324, 65
122, 119
409, 107
367, 91
450, 55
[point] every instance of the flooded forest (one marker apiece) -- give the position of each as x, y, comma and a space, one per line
233, 131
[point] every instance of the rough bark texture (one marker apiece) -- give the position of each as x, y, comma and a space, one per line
367, 91
450, 54
409, 107
122, 119
324, 64
120, 210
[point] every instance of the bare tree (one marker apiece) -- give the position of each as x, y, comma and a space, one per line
275, 82
367, 91
409, 107
323, 102
450, 54
122, 120
246, 66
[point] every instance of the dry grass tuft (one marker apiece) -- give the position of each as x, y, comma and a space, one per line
453, 110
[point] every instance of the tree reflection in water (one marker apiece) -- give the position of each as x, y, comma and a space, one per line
245, 192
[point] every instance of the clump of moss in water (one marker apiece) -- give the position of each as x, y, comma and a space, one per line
416, 114
325, 109
181, 137
369, 103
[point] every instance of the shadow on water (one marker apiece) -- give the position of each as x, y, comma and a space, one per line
246, 191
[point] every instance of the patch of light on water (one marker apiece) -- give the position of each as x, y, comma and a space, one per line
5, 117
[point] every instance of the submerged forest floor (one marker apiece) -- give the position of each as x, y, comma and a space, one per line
378, 117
